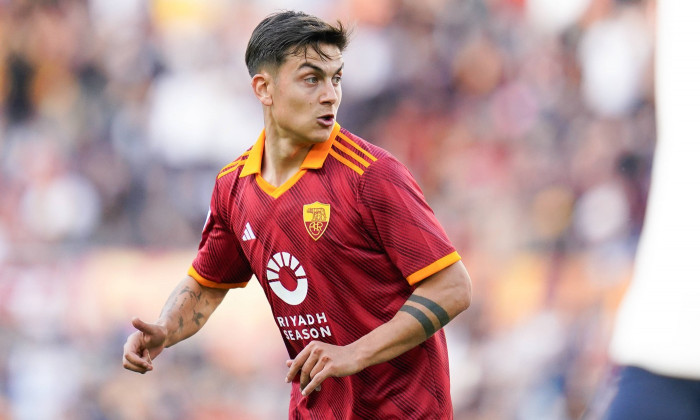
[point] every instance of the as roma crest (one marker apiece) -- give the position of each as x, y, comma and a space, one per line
316, 217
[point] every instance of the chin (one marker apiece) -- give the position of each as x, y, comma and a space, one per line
320, 135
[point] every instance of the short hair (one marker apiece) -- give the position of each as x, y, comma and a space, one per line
289, 33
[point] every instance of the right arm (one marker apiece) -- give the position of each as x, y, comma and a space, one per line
184, 313
220, 264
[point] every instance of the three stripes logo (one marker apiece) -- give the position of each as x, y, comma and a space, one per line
248, 233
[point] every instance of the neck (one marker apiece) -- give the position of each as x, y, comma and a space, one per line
282, 156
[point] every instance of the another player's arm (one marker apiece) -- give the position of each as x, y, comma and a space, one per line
184, 313
435, 302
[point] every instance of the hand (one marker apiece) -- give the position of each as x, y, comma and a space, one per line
318, 361
143, 346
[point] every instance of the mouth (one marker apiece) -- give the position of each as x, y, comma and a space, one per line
326, 120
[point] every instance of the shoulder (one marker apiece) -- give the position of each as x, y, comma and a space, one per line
356, 143
229, 173
235, 165
358, 154
381, 162
228, 181
378, 169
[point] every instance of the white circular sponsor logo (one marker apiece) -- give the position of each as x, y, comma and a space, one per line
285, 259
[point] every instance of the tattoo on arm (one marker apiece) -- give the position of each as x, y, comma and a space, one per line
191, 292
421, 317
188, 293
197, 317
439, 312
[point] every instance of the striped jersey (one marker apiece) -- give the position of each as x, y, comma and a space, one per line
337, 249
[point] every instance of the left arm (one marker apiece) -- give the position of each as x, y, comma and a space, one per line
435, 301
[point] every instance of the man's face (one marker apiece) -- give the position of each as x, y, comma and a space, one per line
306, 94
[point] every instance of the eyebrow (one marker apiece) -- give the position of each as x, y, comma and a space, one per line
317, 68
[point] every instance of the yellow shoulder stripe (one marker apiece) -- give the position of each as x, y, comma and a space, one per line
233, 165
353, 144
346, 162
230, 168
238, 159
351, 154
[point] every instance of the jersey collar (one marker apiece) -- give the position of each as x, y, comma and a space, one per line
313, 160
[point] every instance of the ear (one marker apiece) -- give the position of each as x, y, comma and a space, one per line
262, 84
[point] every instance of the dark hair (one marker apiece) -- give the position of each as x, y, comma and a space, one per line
288, 33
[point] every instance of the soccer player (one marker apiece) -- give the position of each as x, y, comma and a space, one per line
359, 274
656, 339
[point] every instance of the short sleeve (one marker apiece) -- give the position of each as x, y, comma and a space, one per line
220, 261
397, 216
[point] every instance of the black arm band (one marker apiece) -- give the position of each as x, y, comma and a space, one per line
421, 317
439, 312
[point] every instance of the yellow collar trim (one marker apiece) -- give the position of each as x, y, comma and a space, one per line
313, 160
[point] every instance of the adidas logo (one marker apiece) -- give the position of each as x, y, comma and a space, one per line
248, 233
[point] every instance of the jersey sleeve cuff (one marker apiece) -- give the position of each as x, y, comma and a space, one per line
208, 283
433, 268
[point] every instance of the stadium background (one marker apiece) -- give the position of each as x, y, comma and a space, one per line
529, 125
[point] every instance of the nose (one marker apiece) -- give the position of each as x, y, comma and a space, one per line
330, 93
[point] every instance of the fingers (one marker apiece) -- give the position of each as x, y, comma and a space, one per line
315, 376
318, 366
135, 358
153, 336
134, 364
315, 383
143, 346
131, 360
298, 362
308, 364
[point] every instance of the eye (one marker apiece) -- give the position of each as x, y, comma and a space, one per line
311, 79
336, 80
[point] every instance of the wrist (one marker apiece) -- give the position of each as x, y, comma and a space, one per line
166, 331
361, 354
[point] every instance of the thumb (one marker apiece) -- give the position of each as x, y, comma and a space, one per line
147, 329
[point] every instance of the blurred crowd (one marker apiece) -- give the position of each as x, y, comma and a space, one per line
529, 124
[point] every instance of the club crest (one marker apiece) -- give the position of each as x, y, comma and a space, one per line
316, 217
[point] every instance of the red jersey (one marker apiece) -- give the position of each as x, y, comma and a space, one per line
337, 249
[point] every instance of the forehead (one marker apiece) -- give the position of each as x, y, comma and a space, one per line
331, 61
